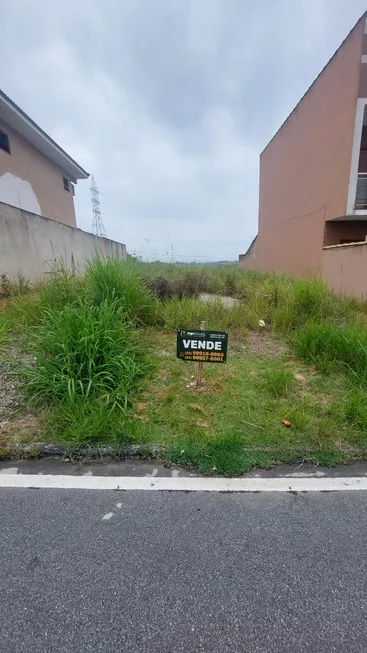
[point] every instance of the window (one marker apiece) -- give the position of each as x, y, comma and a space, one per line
66, 184
4, 142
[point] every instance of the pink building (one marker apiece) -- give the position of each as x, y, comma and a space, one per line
313, 173
36, 174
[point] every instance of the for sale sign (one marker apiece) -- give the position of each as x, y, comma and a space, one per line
202, 346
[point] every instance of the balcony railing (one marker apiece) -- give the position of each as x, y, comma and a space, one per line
361, 194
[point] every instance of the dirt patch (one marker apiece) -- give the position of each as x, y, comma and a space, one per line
16, 423
9, 395
21, 428
228, 302
266, 345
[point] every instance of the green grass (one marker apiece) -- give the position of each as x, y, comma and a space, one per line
96, 340
83, 352
81, 334
107, 281
189, 312
237, 421
278, 382
87, 364
335, 347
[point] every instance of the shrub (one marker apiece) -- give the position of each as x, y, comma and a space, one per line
160, 287
164, 289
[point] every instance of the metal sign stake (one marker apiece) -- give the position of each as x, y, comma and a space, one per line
200, 364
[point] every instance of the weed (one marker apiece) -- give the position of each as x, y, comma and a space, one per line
14, 287
277, 382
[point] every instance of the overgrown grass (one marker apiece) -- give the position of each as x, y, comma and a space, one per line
83, 352
283, 303
87, 365
333, 347
107, 281
82, 334
90, 336
189, 312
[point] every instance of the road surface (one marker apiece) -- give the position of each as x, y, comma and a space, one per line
171, 572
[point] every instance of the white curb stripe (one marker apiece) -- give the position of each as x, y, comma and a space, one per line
189, 484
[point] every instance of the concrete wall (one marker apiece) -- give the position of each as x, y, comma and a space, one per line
31, 181
32, 245
345, 269
305, 169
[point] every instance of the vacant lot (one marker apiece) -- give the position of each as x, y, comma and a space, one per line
91, 360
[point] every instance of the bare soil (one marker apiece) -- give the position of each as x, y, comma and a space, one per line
15, 420
266, 345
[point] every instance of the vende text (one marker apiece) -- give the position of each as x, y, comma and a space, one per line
202, 344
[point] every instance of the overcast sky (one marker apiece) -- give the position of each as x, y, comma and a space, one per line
169, 103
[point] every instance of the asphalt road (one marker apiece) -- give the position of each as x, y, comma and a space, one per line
171, 572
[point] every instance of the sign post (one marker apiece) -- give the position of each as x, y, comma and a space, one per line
200, 364
202, 347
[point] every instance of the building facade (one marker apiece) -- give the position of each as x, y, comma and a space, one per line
313, 173
36, 174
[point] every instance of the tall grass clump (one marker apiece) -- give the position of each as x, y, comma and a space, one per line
87, 362
63, 287
339, 347
306, 299
121, 281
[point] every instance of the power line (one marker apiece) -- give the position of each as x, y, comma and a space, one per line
97, 224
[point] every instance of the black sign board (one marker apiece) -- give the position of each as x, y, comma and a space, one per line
202, 346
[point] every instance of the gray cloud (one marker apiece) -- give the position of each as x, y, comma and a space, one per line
169, 103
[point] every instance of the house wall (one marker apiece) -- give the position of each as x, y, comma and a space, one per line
32, 245
344, 269
305, 169
31, 181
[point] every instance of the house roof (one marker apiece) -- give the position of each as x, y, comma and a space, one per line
26, 127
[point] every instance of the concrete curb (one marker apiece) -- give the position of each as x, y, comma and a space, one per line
42, 449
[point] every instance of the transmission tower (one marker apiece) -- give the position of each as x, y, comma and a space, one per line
97, 226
